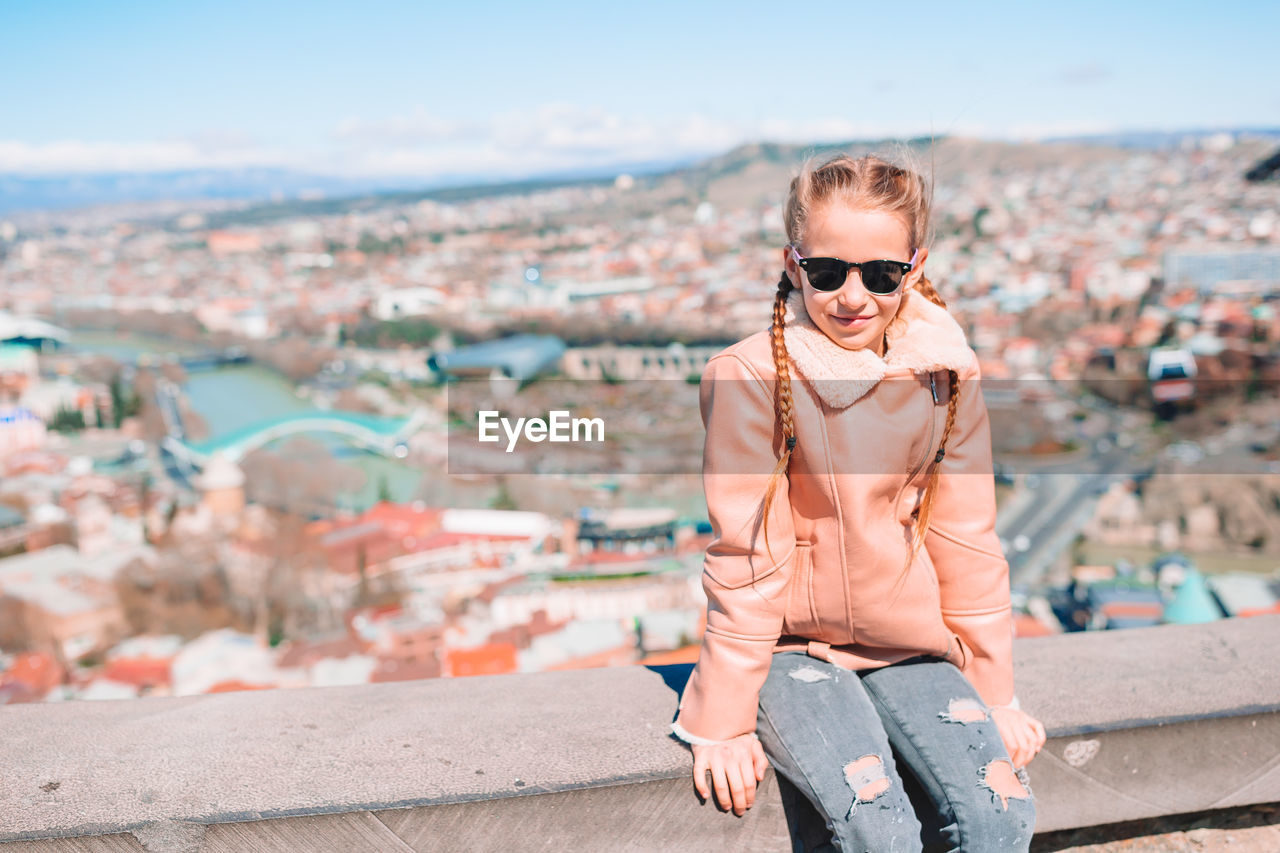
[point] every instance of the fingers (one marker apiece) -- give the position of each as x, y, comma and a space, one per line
1024, 749
720, 781
1033, 738
1037, 737
1017, 747
736, 769
1023, 735
700, 773
1011, 733
760, 760
738, 787
749, 781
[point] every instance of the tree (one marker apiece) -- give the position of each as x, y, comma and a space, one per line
302, 477
144, 498
503, 499
67, 420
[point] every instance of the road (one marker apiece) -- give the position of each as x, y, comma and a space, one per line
1054, 499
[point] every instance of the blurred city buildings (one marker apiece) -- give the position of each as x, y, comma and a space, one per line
1084, 277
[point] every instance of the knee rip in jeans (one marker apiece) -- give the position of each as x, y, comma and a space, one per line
1004, 782
808, 674
963, 711
867, 778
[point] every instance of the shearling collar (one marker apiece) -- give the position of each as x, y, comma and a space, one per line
923, 337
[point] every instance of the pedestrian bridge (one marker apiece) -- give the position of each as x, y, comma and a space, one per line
384, 435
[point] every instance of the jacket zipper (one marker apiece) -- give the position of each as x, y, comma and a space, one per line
933, 426
928, 444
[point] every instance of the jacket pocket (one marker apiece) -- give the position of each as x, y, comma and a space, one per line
730, 567
958, 653
799, 618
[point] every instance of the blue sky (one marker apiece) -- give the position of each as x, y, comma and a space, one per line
431, 88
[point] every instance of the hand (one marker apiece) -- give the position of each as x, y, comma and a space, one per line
1023, 734
736, 766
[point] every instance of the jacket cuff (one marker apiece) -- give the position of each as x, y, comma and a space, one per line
1014, 704
988, 664
680, 732
722, 697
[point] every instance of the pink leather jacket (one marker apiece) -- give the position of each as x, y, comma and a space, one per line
834, 580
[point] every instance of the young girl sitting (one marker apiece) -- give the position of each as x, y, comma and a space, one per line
859, 629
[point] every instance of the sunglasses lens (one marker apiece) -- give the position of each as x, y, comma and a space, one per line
824, 277
880, 277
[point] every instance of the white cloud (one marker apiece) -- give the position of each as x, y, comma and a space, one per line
550, 137
1031, 131
418, 126
74, 155
557, 136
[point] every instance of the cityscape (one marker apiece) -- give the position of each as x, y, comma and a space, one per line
357, 363
238, 442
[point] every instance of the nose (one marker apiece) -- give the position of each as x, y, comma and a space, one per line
853, 295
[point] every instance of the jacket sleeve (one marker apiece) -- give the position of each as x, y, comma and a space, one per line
973, 574
745, 582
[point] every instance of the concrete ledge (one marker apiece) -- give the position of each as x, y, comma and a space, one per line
1142, 723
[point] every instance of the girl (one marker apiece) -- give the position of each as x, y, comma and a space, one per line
859, 629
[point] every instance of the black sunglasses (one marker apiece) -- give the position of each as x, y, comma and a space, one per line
883, 278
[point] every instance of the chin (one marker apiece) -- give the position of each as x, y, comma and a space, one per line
854, 339
857, 340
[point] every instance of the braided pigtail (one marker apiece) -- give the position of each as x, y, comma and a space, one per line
925, 510
782, 402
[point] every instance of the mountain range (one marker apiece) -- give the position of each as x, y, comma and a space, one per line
278, 188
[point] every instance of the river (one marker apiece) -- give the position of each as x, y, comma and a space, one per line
232, 397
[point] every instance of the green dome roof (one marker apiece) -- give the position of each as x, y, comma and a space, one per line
1192, 602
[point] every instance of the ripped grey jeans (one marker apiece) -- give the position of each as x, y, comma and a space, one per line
890, 760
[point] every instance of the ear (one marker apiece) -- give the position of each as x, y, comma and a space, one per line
913, 277
793, 270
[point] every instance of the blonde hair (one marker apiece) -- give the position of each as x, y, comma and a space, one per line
866, 183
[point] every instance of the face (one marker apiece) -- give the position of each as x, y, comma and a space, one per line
852, 316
